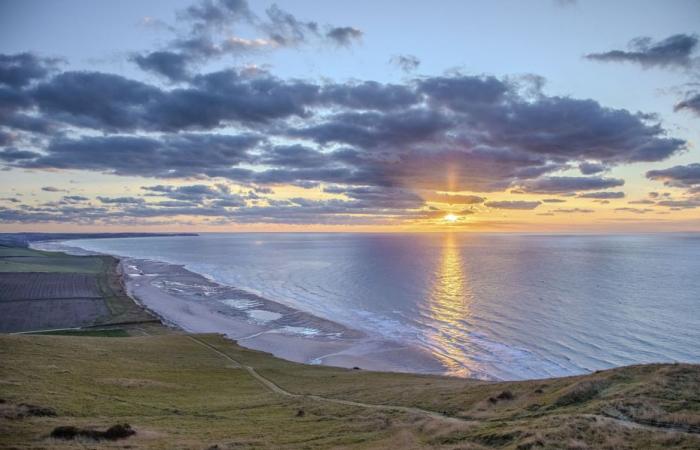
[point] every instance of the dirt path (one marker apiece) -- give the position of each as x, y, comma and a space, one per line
271, 386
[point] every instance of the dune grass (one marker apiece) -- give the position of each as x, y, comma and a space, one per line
178, 394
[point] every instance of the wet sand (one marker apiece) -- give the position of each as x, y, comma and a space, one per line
196, 304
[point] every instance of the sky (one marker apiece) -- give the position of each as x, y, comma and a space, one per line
229, 115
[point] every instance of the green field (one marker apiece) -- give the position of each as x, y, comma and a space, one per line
203, 391
60, 301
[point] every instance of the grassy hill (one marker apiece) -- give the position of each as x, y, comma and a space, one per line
203, 391
182, 391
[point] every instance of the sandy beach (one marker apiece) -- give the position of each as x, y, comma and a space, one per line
197, 304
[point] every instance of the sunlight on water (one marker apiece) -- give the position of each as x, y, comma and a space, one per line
449, 303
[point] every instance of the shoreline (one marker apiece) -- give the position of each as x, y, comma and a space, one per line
195, 303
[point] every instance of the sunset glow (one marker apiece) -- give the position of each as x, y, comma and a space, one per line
213, 122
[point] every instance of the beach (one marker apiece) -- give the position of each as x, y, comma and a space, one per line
197, 304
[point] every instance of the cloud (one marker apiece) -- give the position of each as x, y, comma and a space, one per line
369, 95
687, 176
219, 195
559, 185
120, 200
75, 198
680, 204
208, 35
385, 148
674, 51
52, 189
20, 69
170, 156
573, 211
96, 100
589, 168
170, 65
293, 156
634, 210
407, 63
453, 199
553, 200
692, 104
208, 14
12, 154
344, 36
603, 195
519, 204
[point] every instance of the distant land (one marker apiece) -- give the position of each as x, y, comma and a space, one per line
23, 239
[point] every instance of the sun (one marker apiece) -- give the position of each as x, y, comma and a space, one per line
451, 218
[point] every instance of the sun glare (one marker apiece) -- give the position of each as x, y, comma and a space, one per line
451, 218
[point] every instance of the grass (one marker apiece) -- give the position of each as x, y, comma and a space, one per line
113, 332
121, 308
14, 259
179, 394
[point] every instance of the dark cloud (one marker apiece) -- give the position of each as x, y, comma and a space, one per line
75, 198
293, 156
207, 14
687, 176
170, 156
52, 189
369, 95
20, 69
219, 98
517, 204
120, 200
96, 100
692, 104
219, 195
407, 63
374, 129
285, 29
208, 35
556, 185
344, 36
13, 154
171, 65
553, 200
6, 138
606, 195
589, 168
473, 115
368, 197
675, 50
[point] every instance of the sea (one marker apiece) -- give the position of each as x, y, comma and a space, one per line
495, 306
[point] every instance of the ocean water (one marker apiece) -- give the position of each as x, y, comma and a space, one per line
497, 306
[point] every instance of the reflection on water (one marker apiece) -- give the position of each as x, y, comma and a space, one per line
449, 303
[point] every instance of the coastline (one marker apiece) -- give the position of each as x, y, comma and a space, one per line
195, 303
